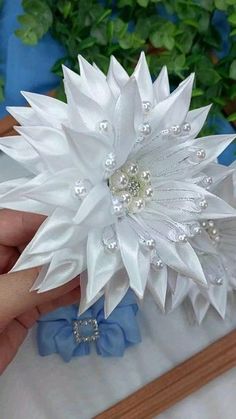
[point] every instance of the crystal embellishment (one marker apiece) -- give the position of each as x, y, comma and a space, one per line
86, 330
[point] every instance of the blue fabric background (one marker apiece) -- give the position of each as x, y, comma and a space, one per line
28, 68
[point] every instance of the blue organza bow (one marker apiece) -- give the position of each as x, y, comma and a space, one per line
119, 331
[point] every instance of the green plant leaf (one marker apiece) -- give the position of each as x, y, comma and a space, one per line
232, 70
232, 117
143, 3
232, 19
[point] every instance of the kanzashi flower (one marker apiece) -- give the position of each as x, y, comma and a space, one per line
118, 171
63, 332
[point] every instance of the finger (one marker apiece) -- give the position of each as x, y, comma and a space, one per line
10, 341
15, 297
17, 227
8, 257
30, 317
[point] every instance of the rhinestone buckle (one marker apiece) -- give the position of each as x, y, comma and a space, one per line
86, 330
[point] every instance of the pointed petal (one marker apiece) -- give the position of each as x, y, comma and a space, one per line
136, 267
182, 258
117, 77
50, 144
144, 80
200, 304
115, 291
124, 121
182, 288
197, 118
172, 110
161, 85
85, 147
24, 115
101, 265
157, 284
96, 208
21, 151
51, 111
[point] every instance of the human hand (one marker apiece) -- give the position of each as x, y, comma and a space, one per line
20, 308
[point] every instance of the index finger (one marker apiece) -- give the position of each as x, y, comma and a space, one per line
17, 227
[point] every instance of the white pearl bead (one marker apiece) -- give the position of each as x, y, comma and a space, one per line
195, 230
146, 106
204, 224
217, 238
110, 162
211, 223
103, 126
119, 180
126, 198
186, 127
214, 231
112, 246
203, 204
219, 281
149, 193
157, 263
138, 205
145, 176
182, 238
80, 189
118, 208
150, 244
201, 154
176, 129
165, 132
132, 168
145, 128
207, 180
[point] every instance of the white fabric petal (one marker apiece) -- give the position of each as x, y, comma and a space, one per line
136, 263
161, 85
200, 304
182, 287
124, 121
24, 115
115, 291
197, 118
157, 284
50, 111
117, 77
51, 144
21, 151
174, 108
144, 80
90, 152
101, 264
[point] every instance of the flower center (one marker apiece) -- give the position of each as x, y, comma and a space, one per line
131, 186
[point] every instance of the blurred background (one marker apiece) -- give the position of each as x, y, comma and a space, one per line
37, 36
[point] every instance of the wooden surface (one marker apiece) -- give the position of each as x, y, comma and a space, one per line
177, 383
6, 126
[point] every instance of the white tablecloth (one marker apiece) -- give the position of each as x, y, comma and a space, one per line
46, 388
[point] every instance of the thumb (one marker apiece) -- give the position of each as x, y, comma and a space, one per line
16, 297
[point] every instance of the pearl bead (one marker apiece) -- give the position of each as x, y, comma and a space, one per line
182, 238
211, 223
214, 231
207, 180
145, 128
165, 132
149, 193
110, 162
176, 129
138, 205
145, 176
112, 246
119, 180
150, 244
157, 263
201, 154
118, 208
81, 189
219, 281
146, 106
195, 230
204, 224
132, 168
217, 238
103, 126
126, 198
186, 127
203, 204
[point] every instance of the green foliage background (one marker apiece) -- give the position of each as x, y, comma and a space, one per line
189, 44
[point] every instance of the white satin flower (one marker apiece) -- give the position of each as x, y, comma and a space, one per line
117, 171
215, 245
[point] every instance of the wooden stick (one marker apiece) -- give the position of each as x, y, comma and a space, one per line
177, 383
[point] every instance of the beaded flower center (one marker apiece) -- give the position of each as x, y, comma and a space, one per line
132, 186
